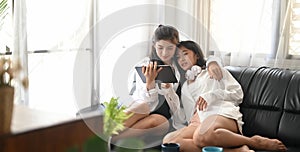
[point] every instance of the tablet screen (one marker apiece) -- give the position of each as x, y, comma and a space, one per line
166, 75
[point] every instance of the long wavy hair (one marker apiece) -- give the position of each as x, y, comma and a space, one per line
163, 32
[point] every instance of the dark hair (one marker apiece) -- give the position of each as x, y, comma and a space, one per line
193, 46
163, 32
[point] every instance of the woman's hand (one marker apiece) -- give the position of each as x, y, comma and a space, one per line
150, 72
166, 85
201, 104
214, 70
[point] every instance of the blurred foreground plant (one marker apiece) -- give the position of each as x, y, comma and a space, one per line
114, 117
113, 122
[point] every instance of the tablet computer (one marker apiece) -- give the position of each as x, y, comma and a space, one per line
166, 75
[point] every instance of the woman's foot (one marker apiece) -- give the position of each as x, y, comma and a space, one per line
263, 143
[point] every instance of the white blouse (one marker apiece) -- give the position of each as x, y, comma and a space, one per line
223, 97
141, 94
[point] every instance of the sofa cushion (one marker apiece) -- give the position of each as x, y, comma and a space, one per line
289, 128
271, 104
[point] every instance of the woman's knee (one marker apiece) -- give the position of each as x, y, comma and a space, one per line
210, 138
199, 138
205, 139
169, 138
174, 136
156, 120
173, 140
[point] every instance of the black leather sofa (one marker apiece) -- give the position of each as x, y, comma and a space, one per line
271, 105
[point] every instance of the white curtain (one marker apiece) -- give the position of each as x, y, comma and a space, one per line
20, 46
201, 11
192, 19
241, 33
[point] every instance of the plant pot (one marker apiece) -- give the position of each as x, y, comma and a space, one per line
6, 108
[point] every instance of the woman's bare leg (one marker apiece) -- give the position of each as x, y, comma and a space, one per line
138, 111
184, 137
221, 131
153, 124
185, 132
134, 119
267, 143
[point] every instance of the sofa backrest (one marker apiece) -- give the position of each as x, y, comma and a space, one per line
271, 104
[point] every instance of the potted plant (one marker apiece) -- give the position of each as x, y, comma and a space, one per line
114, 117
10, 72
113, 122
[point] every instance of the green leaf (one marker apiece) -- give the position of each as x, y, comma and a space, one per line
114, 117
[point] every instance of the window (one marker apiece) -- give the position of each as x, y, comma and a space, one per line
55, 31
242, 26
294, 37
60, 75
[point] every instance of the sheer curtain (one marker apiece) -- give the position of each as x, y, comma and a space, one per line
192, 19
201, 12
244, 33
20, 46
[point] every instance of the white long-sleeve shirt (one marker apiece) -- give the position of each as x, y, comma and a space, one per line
223, 97
141, 94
